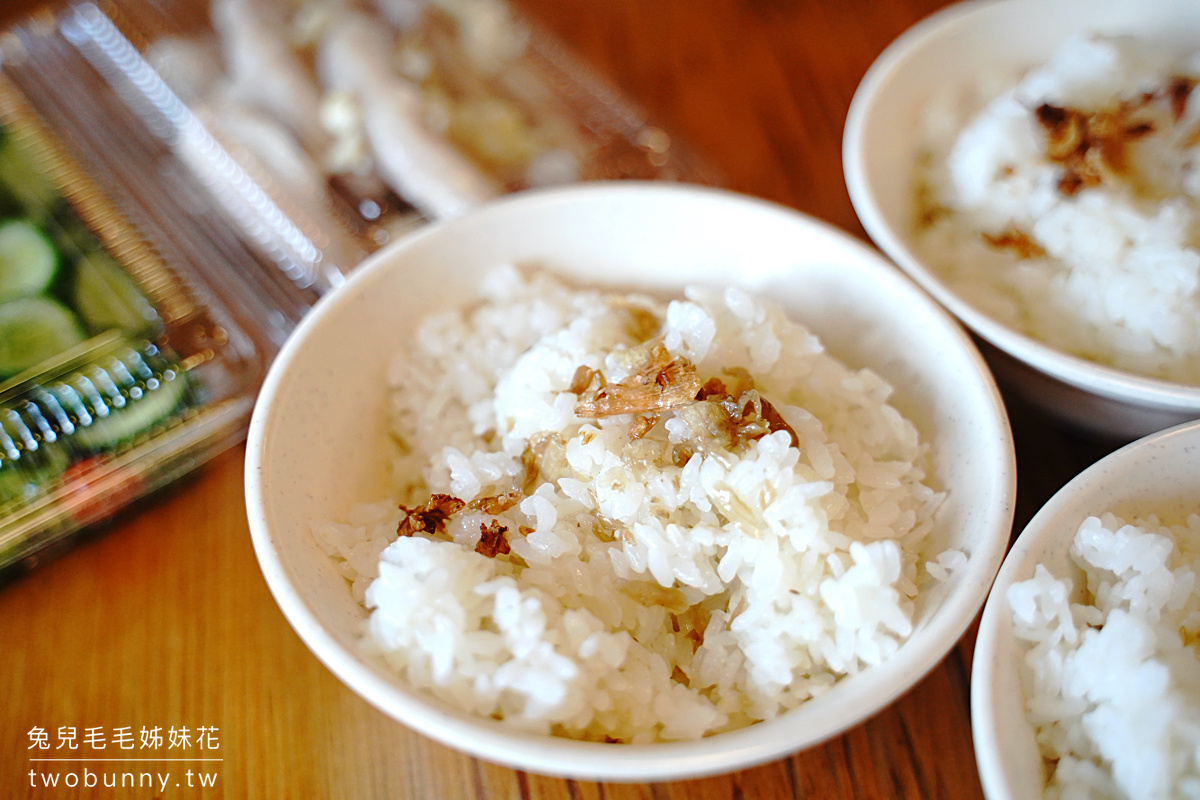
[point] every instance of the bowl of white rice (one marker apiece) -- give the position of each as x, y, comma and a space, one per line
629, 482
1035, 166
1086, 678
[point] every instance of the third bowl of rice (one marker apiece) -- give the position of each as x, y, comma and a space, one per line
1086, 681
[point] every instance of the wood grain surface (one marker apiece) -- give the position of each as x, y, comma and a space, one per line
163, 619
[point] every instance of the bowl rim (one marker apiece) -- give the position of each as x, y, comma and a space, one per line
987, 663
1091, 376
559, 756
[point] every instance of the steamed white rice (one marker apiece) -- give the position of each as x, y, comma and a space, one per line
1110, 672
1108, 272
647, 596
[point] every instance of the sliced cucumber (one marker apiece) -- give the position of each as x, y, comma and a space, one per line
33, 329
25, 180
152, 404
28, 259
28, 461
25, 480
105, 297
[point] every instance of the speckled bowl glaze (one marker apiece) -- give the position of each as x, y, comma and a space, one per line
1159, 474
954, 47
318, 439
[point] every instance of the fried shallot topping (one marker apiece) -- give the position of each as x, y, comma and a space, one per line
721, 420
1021, 243
496, 504
492, 542
738, 380
719, 415
641, 425
544, 454
1089, 146
529, 469
659, 383
776, 422
581, 379
431, 517
1178, 91
681, 454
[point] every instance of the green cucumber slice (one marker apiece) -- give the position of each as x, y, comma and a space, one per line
156, 403
23, 178
106, 297
28, 260
28, 462
23, 481
33, 329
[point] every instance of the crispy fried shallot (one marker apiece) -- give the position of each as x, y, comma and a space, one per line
776, 422
582, 379
529, 467
660, 383
1090, 146
1178, 91
641, 425
721, 414
681, 454
431, 517
1019, 242
545, 453
496, 504
719, 420
492, 542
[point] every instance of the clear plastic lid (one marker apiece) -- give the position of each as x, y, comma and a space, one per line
118, 372
354, 122
180, 181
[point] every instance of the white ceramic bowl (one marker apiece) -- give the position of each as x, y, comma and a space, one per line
952, 48
317, 441
1159, 474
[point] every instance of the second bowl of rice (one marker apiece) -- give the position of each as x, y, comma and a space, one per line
629, 482
1036, 167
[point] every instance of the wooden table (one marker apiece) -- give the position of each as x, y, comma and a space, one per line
162, 619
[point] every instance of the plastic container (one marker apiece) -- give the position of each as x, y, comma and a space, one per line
170, 220
356, 122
